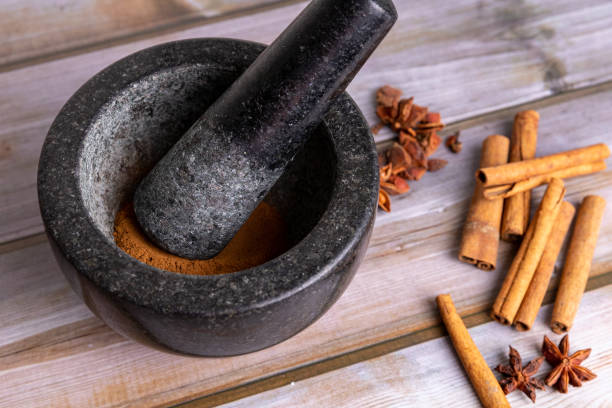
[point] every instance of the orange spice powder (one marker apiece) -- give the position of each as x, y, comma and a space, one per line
262, 238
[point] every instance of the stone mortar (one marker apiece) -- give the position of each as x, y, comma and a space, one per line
115, 128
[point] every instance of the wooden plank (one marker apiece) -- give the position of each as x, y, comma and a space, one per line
373, 351
28, 309
412, 258
430, 374
476, 57
34, 29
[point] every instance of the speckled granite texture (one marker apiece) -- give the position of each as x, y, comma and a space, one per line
199, 195
109, 135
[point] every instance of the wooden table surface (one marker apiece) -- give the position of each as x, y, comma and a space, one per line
381, 344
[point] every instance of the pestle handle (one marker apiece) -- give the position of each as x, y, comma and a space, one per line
202, 191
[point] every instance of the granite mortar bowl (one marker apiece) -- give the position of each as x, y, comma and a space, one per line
110, 134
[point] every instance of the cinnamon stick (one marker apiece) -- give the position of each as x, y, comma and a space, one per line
522, 147
577, 263
509, 190
532, 301
482, 378
518, 171
480, 238
526, 261
511, 275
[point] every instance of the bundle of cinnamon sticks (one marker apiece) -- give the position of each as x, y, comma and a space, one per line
500, 209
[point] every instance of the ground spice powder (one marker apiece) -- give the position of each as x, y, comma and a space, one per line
262, 238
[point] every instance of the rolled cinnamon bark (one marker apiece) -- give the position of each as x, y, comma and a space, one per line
577, 263
532, 301
522, 147
482, 378
530, 253
480, 239
518, 171
509, 190
510, 276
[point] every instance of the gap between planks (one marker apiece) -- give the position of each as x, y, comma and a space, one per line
144, 33
564, 96
359, 355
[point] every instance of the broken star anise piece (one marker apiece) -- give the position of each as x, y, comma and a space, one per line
520, 378
417, 114
384, 202
567, 368
385, 172
433, 141
407, 160
387, 99
414, 149
453, 143
395, 185
399, 158
436, 164
413, 173
388, 96
432, 121
403, 113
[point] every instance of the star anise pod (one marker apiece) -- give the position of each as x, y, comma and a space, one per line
567, 368
520, 378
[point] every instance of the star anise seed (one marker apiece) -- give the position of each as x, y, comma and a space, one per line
436, 164
567, 368
453, 143
520, 378
384, 202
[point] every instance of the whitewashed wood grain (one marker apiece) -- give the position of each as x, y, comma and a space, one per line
411, 259
29, 309
34, 28
462, 58
430, 374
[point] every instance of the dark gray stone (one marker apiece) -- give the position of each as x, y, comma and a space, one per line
115, 128
197, 197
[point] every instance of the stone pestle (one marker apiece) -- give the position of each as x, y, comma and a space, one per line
201, 192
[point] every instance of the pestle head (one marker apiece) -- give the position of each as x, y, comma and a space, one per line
198, 196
